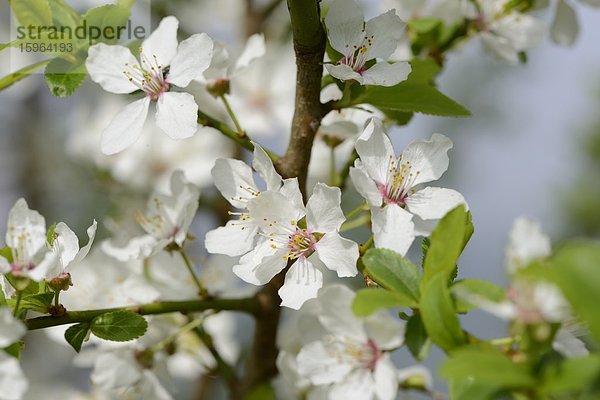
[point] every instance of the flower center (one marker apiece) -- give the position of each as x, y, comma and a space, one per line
149, 77
155, 223
357, 58
400, 179
301, 243
349, 351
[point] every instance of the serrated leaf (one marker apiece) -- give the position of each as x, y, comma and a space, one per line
369, 300
416, 338
486, 367
64, 78
38, 302
439, 316
75, 335
475, 287
394, 272
446, 244
576, 270
412, 97
32, 12
119, 326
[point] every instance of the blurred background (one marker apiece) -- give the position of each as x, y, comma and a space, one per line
532, 146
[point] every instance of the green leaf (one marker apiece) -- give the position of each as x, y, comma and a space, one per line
447, 243
439, 316
469, 389
476, 287
75, 335
107, 16
7, 254
393, 272
38, 302
576, 270
424, 25
119, 326
487, 367
572, 374
423, 71
15, 349
369, 300
411, 97
32, 12
262, 392
10, 79
63, 14
416, 338
64, 78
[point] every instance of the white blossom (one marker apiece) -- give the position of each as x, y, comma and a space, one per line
13, 383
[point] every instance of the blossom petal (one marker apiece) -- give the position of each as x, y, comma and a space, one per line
273, 210
385, 376
11, 328
527, 242
13, 383
365, 186
343, 72
433, 202
344, 22
384, 330
375, 150
565, 28
392, 228
336, 314
191, 60
177, 115
263, 164
428, 158
260, 265
338, 254
26, 230
384, 32
291, 190
321, 367
125, 128
233, 239
233, 178
162, 43
386, 74
107, 65
323, 211
302, 282
359, 384
91, 232
522, 31
255, 48
137, 248
500, 47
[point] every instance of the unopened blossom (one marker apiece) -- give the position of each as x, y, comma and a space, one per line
167, 220
360, 42
235, 180
507, 33
163, 65
33, 254
400, 208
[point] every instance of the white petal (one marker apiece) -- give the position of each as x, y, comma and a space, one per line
386, 379
26, 230
317, 364
291, 190
569, 345
177, 115
433, 202
233, 239
126, 127
384, 330
323, 211
218, 65
386, 31
344, 22
274, 208
302, 282
13, 383
522, 31
260, 265
343, 72
375, 150
336, 314
565, 28
428, 157
91, 232
365, 186
11, 328
114, 370
392, 228
359, 384
234, 180
527, 242
192, 59
255, 48
386, 74
162, 43
500, 47
338, 254
137, 248
106, 65
417, 370
48, 263
264, 166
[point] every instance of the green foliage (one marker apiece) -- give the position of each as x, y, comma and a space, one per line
488, 367
369, 300
64, 78
108, 15
75, 335
393, 272
262, 392
576, 270
416, 338
119, 326
37, 302
15, 349
6, 253
446, 244
439, 316
476, 287
32, 12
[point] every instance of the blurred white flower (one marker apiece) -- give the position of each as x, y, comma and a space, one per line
13, 383
11, 328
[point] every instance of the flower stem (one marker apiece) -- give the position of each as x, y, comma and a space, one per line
56, 295
201, 289
18, 303
355, 223
333, 178
240, 131
356, 211
185, 328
